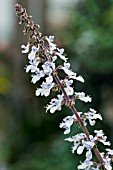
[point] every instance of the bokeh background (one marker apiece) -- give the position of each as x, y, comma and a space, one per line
30, 139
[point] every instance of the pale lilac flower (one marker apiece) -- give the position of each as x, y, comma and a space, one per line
66, 66
52, 46
69, 90
89, 155
61, 50
101, 138
88, 144
60, 54
82, 97
79, 78
45, 87
51, 38
99, 133
110, 151
107, 161
86, 165
48, 67
33, 52
67, 123
25, 48
55, 104
54, 58
33, 60
77, 141
80, 143
31, 56
91, 116
31, 67
39, 74
85, 144
70, 73
35, 49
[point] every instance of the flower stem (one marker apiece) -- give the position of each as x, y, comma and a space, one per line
85, 130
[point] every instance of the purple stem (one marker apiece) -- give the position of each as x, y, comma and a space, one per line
85, 130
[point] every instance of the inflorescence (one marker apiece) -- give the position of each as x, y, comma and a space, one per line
43, 54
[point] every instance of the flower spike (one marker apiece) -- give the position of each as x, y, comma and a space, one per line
42, 56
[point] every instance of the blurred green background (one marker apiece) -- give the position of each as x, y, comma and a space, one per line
30, 139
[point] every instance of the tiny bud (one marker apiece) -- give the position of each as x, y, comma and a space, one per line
39, 34
29, 17
36, 26
18, 7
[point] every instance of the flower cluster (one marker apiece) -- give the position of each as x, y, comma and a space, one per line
80, 143
42, 56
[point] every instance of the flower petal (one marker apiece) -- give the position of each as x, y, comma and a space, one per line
80, 150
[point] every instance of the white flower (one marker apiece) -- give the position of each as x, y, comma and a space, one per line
101, 138
67, 123
33, 61
89, 154
80, 143
51, 38
70, 73
32, 66
60, 54
91, 116
82, 97
69, 90
88, 144
85, 144
86, 165
48, 67
54, 58
38, 75
99, 133
80, 150
34, 49
33, 52
45, 87
55, 104
66, 66
110, 152
61, 50
31, 56
107, 161
77, 139
52, 46
25, 48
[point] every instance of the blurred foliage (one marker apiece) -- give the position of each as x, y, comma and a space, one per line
32, 139
91, 35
